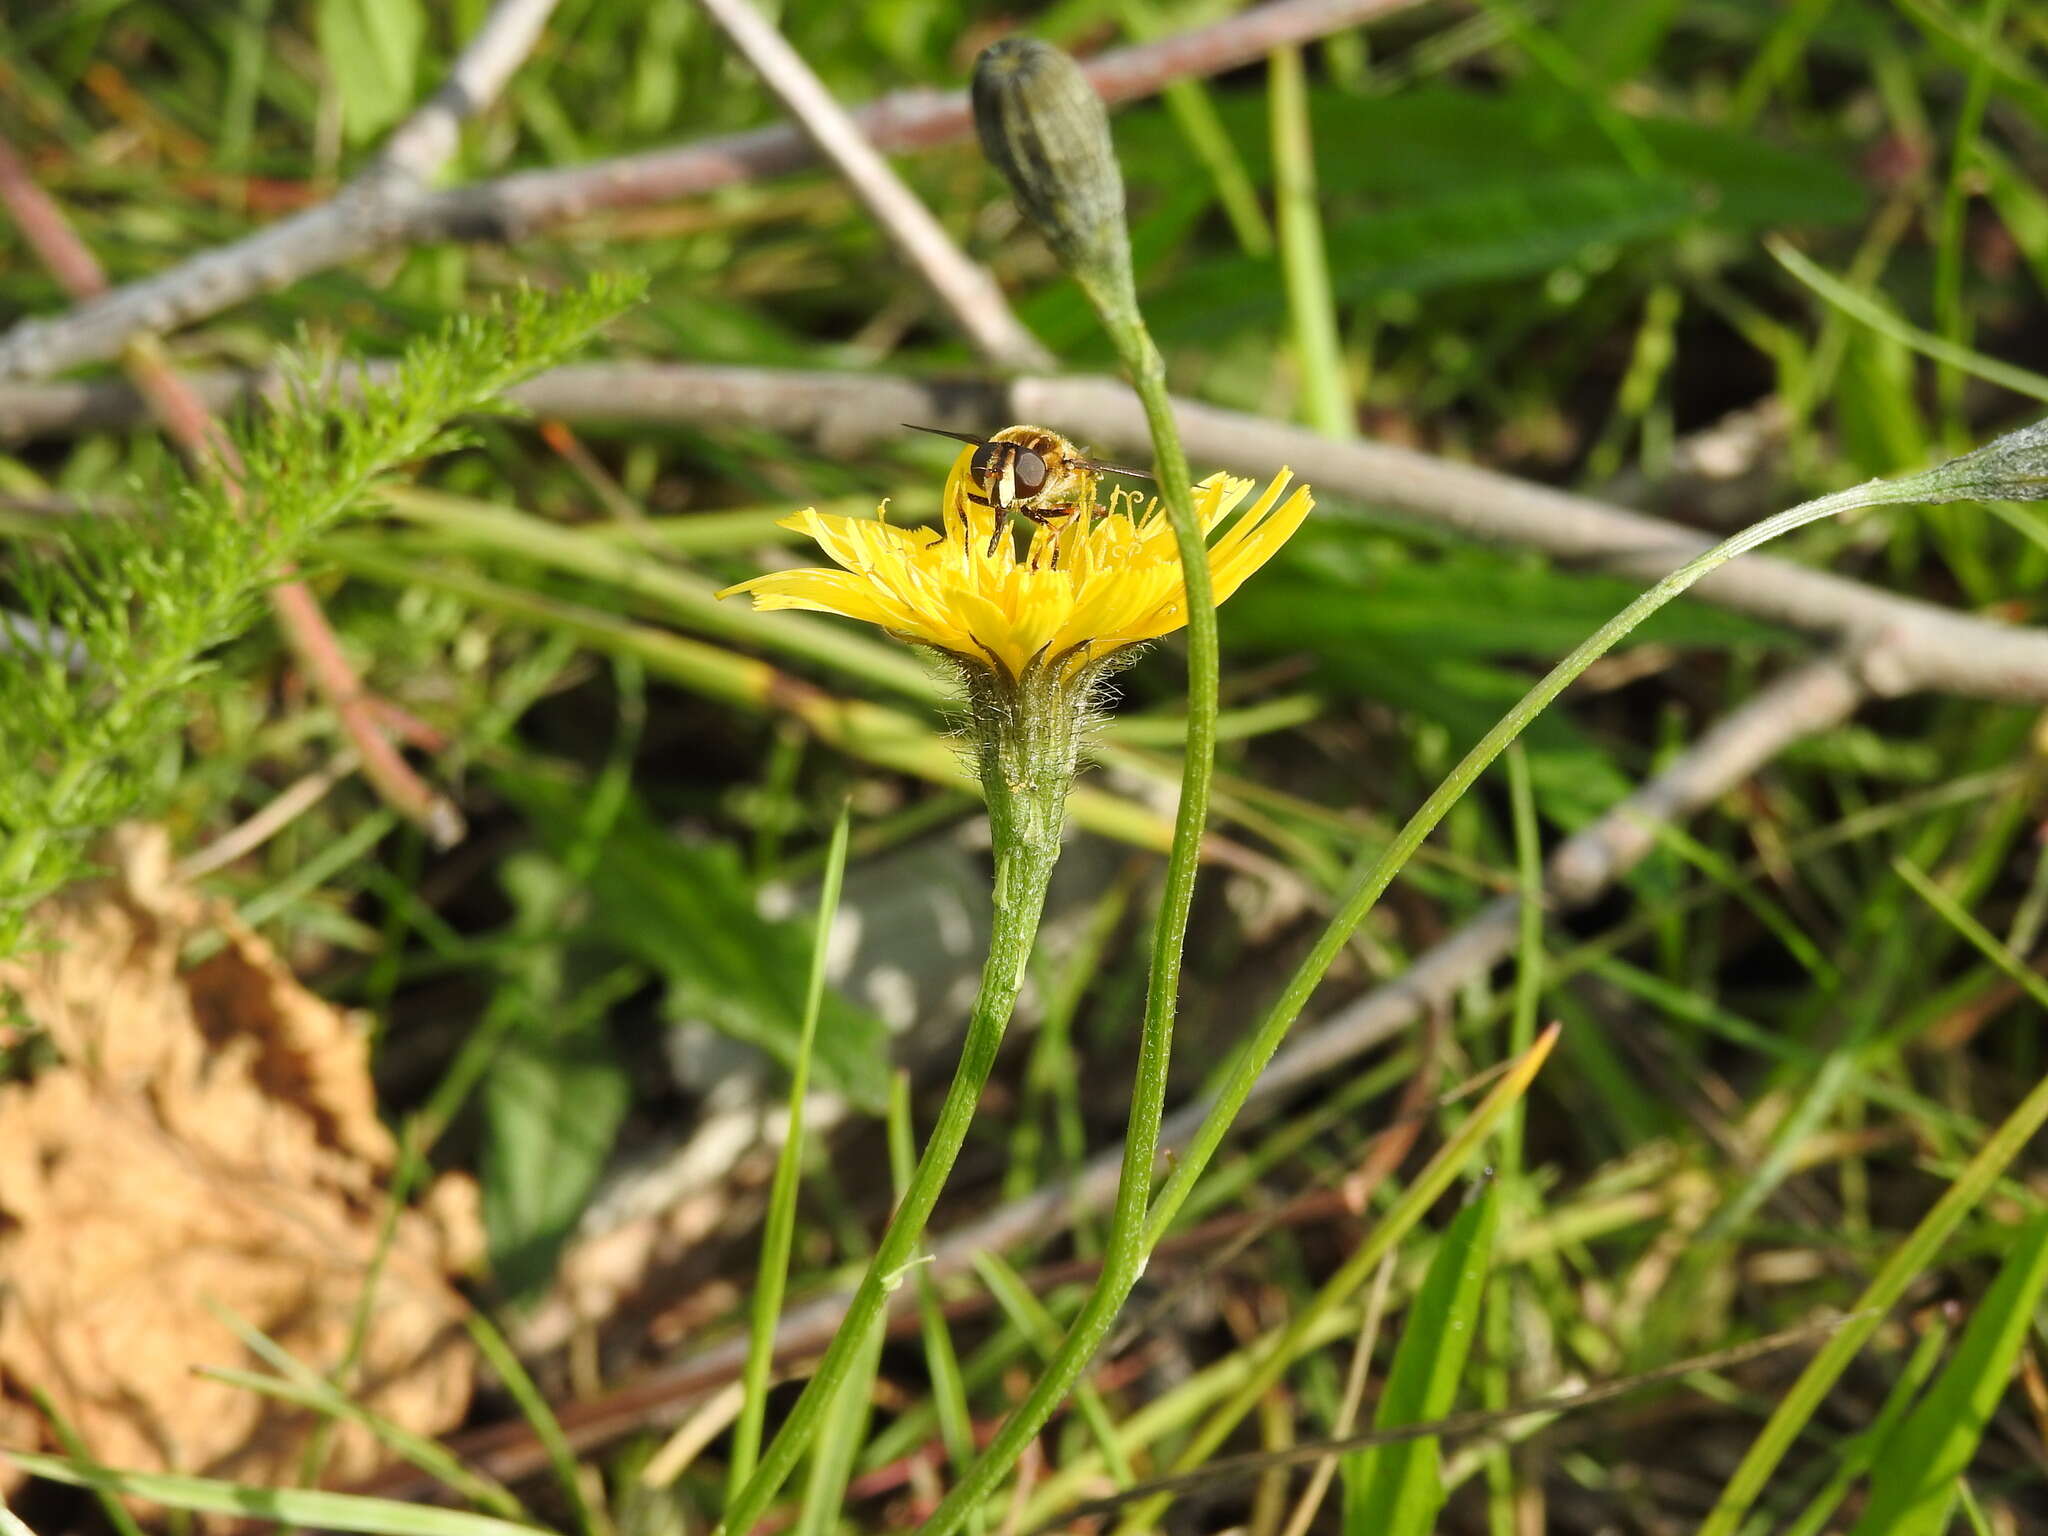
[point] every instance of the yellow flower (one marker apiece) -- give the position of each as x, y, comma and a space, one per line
1116, 581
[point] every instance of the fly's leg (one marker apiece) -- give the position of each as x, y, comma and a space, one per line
1045, 520
979, 501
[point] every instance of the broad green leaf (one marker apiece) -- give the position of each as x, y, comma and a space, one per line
1415, 143
1913, 1486
1444, 186
372, 48
552, 1109
556, 1090
1454, 235
687, 909
1396, 1490
1612, 42
292, 1506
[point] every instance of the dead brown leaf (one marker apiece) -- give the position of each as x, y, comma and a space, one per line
210, 1135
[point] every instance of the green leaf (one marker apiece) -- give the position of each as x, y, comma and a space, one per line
1396, 1490
552, 1109
1612, 42
372, 48
540, 1417
151, 603
688, 910
1913, 1488
292, 1506
840, 1437
556, 1091
1449, 237
1418, 142
1452, 186
1909, 1258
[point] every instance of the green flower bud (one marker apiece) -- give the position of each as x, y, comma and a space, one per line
2009, 468
1044, 128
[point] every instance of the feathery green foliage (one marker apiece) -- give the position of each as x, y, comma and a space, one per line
104, 639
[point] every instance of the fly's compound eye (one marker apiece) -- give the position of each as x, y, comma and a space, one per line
1031, 472
983, 466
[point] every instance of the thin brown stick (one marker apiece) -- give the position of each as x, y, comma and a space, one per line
373, 213
1896, 644
965, 289
186, 418
279, 812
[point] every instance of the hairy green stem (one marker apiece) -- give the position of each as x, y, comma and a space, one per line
1128, 1242
1097, 1315
1026, 740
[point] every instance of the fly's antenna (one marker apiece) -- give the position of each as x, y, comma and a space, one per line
958, 437
1112, 469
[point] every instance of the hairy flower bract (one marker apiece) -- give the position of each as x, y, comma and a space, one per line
1096, 582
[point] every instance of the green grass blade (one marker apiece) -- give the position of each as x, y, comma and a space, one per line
778, 1230
432, 1458
1862, 1450
1195, 115
1427, 1187
1304, 263
1396, 1490
1873, 313
297, 1506
546, 1427
871, 732
1913, 1488
840, 1436
942, 1361
1949, 312
2016, 970
678, 595
118, 1514
1917, 1253
1029, 1316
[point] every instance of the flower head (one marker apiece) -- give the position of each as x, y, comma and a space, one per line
1089, 581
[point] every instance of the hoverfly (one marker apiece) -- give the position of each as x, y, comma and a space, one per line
1032, 473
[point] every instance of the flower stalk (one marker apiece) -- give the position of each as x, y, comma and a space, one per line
1032, 632
1026, 760
1028, 96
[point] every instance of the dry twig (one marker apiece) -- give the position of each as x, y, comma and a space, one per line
378, 211
1895, 644
968, 293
